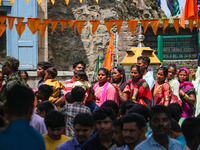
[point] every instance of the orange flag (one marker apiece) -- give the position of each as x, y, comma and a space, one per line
109, 54
191, 20
20, 29
97, 1
33, 24
2, 29
20, 20
46, 21
132, 25
53, 2
11, 2
0, 2
67, 2
95, 24
2, 19
71, 24
198, 23
119, 25
39, 2
109, 24
190, 11
42, 28
155, 25
80, 25
165, 24
54, 23
176, 24
145, 23
63, 23
27, 1
81, 1
11, 22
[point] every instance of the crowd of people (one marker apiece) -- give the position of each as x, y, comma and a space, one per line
112, 113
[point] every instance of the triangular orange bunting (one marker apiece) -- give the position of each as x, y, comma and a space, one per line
145, 23
71, 24
67, 2
27, 1
198, 23
119, 25
165, 24
109, 24
132, 25
0, 2
80, 25
46, 21
42, 28
11, 2
20, 29
2, 29
11, 22
63, 23
54, 23
39, 2
155, 25
2, 19
33, 24
95, 24
20, 20
81, 1
53, 2
191, 20
97, 1
176, 24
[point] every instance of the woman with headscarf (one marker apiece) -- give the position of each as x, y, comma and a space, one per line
186, 92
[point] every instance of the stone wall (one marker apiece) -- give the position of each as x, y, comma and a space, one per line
67, 47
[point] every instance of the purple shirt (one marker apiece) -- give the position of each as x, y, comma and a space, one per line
72, 144
37, 122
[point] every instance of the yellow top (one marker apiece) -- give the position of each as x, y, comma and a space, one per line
52, 144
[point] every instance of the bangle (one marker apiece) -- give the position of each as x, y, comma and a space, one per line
186, 97
120, 94
133, 97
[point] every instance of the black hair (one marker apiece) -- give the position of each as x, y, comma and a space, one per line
123, 106
45, 65
2, 110
175, 111
138, 69
46, 91
173, 66
106, 71
45, 106
54, 119
145, 59
140, 109
137, 118
82, 74
52, 71
164, 69
175, 126
24, 72
102, 113
19, 100
118, 123
113, 105
78, 94
2, 122
83, 119
159, 109
79, 62
69, 98
191, 128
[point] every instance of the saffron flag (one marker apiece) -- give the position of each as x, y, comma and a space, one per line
109, 54
11, 22
176, 24
132, 25
11, 2
155, 25
63, 23
145, 23
39, 2
54, 23
95, 24
67, 2
119, 25
2, 19
191, 20
80, 25
2, 29
109, 24
165, 24
20, 29
190, 11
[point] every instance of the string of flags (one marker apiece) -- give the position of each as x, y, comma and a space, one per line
35, 24
39, 2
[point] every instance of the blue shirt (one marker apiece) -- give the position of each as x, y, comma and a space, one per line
182, 140
72, 144
151, 144
19, 135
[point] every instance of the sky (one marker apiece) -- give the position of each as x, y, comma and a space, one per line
166, 9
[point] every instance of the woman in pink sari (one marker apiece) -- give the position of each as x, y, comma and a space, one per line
186, 92
103, 89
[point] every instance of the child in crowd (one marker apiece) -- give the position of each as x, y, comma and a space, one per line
50, 79
71, 110
55, 124
81, 79
43, 93
44, 107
